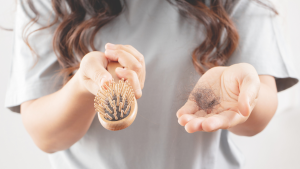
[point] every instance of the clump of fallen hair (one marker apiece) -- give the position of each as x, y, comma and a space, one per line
205, 98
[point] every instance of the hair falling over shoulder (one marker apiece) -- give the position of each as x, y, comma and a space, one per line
74, 35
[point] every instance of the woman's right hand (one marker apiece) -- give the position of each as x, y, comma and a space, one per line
55, 128
93, 68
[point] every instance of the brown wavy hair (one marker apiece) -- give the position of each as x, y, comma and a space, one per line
74, 35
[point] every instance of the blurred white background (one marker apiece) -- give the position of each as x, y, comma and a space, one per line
277, 147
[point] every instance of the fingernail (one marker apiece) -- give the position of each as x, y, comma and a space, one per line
104, 79
119, 69
110, 46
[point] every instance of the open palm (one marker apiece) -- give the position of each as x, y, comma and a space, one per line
222, 98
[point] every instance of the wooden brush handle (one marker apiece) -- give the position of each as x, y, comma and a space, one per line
111, 68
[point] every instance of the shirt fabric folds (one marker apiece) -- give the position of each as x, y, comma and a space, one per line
167, 40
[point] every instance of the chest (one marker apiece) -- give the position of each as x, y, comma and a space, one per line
157, 30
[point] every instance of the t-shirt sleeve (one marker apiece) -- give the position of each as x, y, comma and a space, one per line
32, 76
262, 44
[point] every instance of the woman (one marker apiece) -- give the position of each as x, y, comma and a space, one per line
139, 34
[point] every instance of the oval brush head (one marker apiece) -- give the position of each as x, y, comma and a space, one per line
115, 103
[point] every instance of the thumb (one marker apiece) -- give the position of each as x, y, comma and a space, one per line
249, 89
93, 66
100, 75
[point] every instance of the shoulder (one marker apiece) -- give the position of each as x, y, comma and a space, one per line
251, 8
34, 8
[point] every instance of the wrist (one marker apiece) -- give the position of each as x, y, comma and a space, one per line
79, 86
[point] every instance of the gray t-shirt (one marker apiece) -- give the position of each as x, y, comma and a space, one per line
155, 140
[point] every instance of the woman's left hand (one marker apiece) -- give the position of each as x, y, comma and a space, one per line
223, 97
133, 62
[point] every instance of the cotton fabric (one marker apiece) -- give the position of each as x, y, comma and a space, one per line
167, 40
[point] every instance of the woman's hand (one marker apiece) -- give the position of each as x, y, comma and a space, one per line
93, 68
133, 62
58, 120
223, 98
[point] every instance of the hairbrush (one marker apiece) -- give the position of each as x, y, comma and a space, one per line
115, 102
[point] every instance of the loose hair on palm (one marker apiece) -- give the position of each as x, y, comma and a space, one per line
79, 21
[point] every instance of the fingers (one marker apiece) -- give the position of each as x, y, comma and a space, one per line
248, 94
93, 66
184, 119
126, 56
127, 48
190, 107
224, 120
194, 125
125, 59
191, 117
208, 124
132, 78
129, 58
216, 122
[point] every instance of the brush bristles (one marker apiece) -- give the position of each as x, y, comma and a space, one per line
113, 100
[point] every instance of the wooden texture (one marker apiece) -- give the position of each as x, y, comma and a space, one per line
103, 98
120, 124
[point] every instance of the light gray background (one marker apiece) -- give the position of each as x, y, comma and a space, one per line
277, 147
